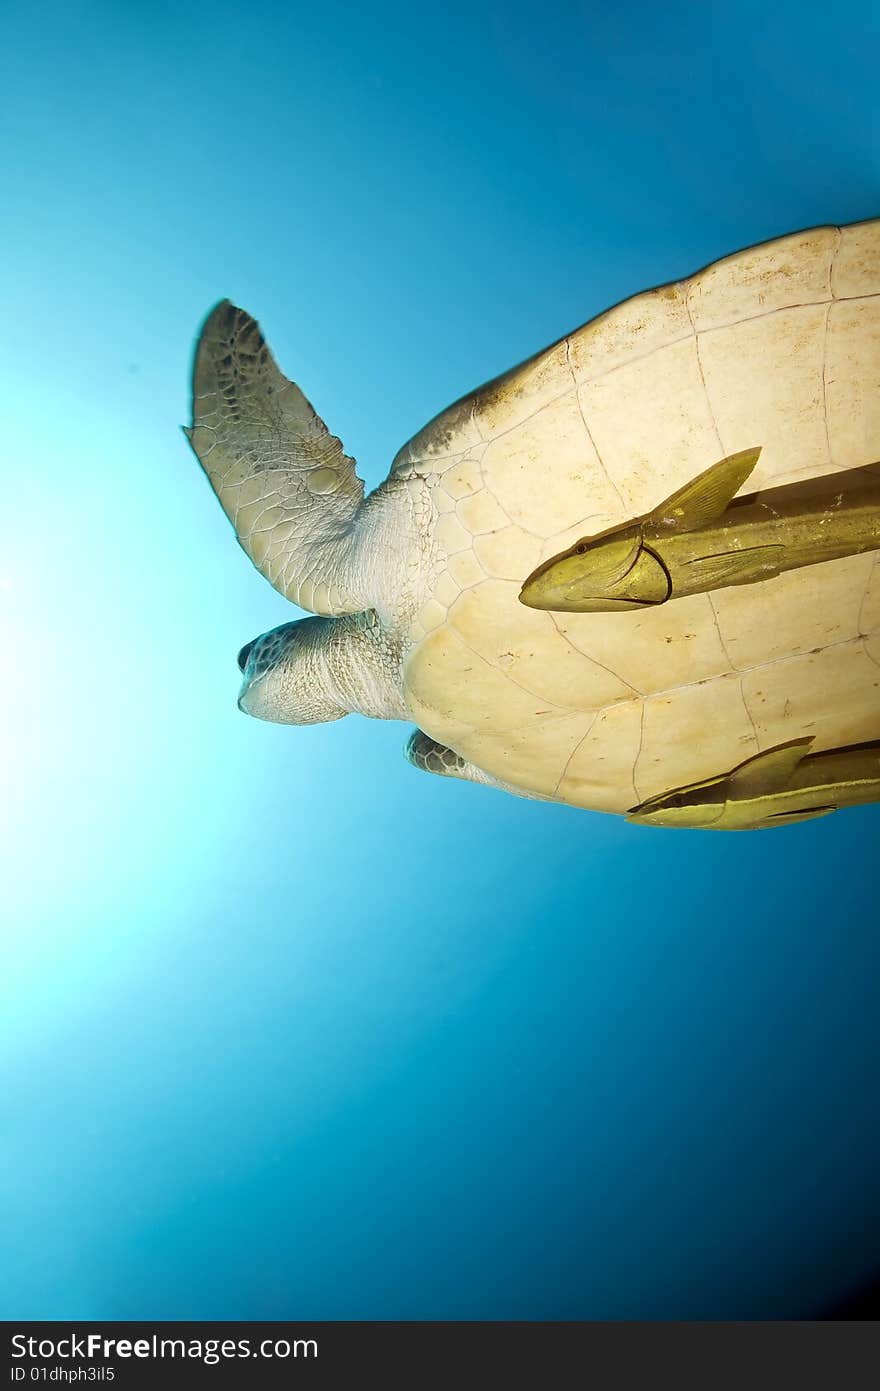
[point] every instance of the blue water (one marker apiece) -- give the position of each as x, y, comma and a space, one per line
286, 1028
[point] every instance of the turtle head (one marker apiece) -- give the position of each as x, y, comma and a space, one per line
605, 575
287, 675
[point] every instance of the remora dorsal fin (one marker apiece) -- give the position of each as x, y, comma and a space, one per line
705, 498
769, 771
741, 567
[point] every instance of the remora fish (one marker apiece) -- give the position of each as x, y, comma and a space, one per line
700, 539
777, 788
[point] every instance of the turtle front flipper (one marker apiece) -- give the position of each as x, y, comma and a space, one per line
424, 752
283, 480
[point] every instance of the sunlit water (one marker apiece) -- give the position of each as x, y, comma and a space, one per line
287, 1028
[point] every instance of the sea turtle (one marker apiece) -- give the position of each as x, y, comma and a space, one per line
417, 586
783, 785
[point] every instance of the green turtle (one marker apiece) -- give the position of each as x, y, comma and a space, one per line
416, 587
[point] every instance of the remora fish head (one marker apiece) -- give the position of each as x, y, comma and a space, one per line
603, 576
701, 806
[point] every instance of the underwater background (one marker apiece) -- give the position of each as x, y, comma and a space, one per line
288, 1029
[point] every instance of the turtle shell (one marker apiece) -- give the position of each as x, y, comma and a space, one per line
777, 346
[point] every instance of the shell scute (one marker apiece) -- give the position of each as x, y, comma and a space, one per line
466, 569
800, 610
856, 269
451, 535
636, 328
481, 513
764, 381
852, 382
869, 608
672, 645
777, 347
599, 771
529, 650
508, 554
525, 392
463, 478
651, 424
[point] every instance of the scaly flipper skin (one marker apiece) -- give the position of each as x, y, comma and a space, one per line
700, 539
779, 787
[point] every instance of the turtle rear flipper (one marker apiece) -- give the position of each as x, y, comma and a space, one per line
425, 753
